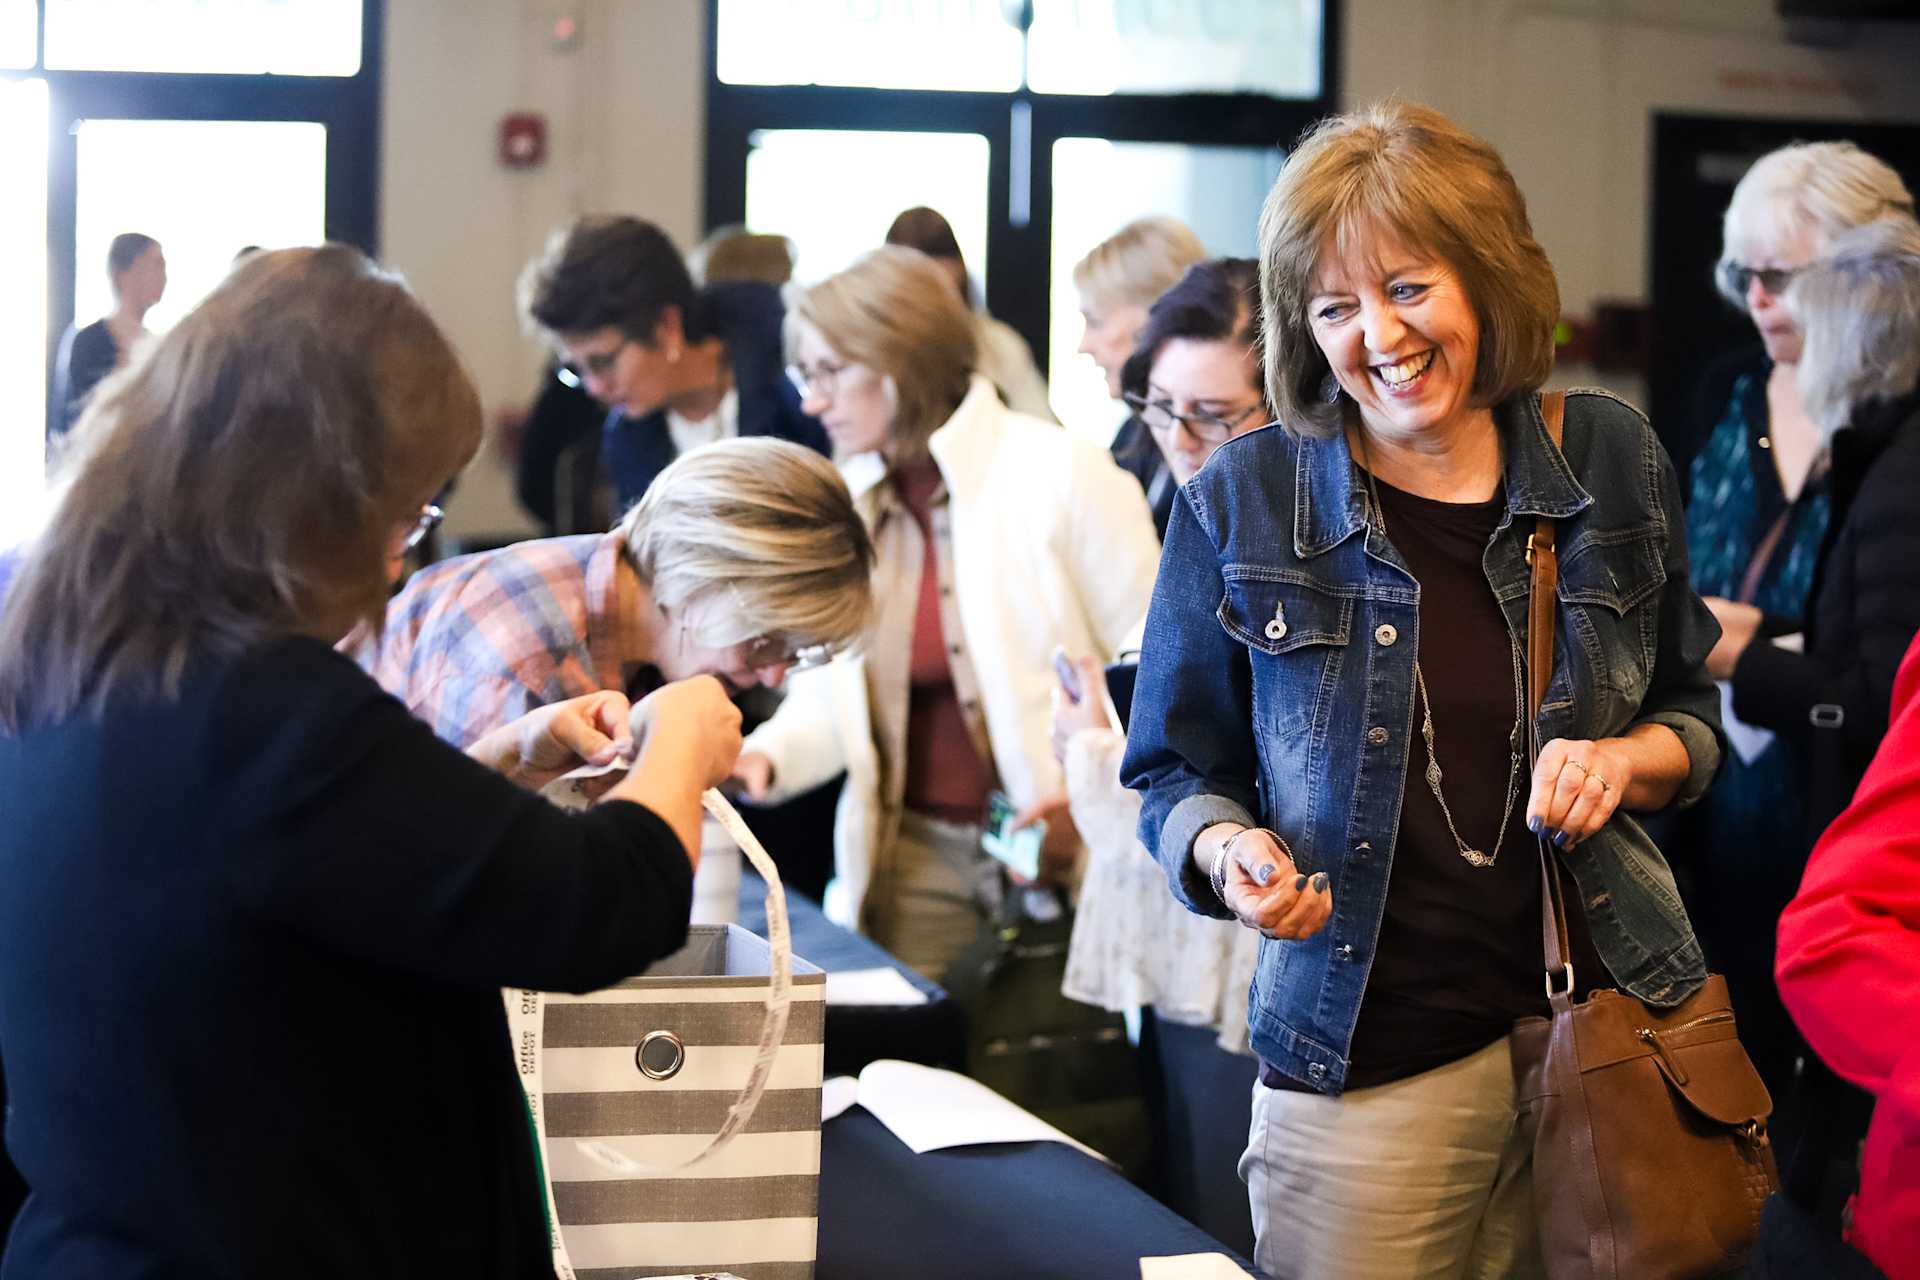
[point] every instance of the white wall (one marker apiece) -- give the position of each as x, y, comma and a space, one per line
1567, 89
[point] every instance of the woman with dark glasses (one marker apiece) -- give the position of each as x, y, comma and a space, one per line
1760, 509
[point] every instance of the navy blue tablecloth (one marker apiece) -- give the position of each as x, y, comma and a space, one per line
1011, 1211
933, 1033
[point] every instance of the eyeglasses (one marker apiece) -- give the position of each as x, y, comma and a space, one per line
1207, 428
774, 651
1737, 276
597, 364
428, 520
822, 378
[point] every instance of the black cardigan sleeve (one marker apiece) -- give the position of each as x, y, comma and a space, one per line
1878, 574
374, 838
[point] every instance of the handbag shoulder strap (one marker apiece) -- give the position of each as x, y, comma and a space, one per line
1544, 562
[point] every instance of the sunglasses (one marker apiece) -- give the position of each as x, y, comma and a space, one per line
1737, 276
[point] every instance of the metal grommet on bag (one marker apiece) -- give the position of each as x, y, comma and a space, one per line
660, 1056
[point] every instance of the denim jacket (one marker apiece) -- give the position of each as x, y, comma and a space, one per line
1305, 726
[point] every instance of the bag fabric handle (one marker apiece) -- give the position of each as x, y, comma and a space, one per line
1544, 560
1564, 1051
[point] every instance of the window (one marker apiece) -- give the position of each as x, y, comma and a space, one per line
875, 44
19, 33
224, 37
204, 189
1091, 112
23, 305
262, 131
1176, 46
875, 176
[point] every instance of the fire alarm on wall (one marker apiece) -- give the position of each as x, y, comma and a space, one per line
523, 140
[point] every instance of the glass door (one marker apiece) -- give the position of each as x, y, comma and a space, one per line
23, 308
205, 189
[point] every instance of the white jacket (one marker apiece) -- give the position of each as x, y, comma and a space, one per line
1052, 545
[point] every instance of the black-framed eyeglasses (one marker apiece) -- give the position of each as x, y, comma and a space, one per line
597, 364
428, 520
1207, 428
1737, 276
823, 378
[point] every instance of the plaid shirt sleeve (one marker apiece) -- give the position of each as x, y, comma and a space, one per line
477, 643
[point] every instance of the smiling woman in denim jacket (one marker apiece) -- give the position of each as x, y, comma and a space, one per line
1328, 730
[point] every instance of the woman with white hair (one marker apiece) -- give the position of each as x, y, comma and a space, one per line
1759, 510
1828, 698
998, 537
1859, 309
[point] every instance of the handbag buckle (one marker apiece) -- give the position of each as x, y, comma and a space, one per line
1568, 992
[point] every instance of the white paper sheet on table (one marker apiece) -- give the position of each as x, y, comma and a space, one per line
881, 986
1747, 740
837, 1093
1192, 1266
930, 1109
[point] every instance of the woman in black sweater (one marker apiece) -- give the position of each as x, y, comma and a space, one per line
254, 918
1859, 376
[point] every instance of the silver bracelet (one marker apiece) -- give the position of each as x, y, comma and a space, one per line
1218, 876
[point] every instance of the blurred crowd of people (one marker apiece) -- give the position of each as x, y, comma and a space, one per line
1246, 686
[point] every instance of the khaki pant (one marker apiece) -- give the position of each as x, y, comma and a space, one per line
1424, 1177
936, 894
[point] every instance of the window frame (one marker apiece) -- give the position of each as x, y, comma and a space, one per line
349, 107
1017, 253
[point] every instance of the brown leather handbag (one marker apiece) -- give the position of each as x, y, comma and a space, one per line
1650, 1149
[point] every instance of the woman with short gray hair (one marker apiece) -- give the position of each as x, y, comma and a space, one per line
1828, 697
1825, 692
1758, 514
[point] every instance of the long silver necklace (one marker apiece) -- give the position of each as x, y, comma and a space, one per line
1473, 857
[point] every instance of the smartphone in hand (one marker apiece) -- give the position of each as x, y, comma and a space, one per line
1069, 677
1018, 851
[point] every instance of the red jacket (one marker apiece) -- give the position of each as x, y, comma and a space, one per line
1849, 971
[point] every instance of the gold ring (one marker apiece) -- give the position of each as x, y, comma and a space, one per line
1576, 764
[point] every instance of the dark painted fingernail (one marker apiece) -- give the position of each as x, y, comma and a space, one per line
1320, 882
1300, 882
1562, 839
1265, 873
1537, 825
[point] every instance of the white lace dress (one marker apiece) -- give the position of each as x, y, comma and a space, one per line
1133, 943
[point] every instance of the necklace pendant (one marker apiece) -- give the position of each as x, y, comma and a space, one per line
1475, 858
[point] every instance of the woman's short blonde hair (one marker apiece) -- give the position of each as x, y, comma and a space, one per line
1397, 169
754, 537
1859, 312
1819, 188
1137, 263
241, 481
896, 312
